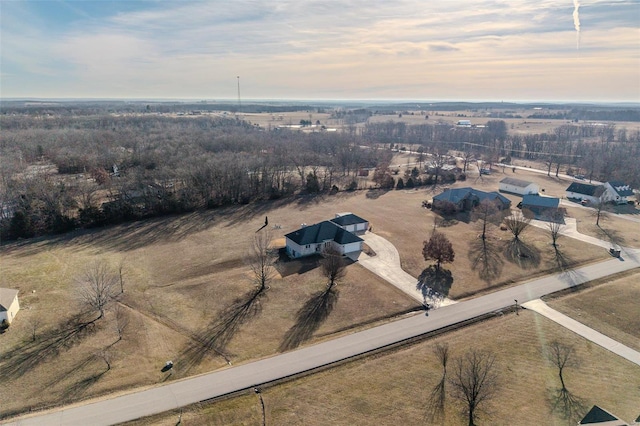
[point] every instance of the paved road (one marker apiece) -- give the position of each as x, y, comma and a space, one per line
211, 385
386, 264
608, 343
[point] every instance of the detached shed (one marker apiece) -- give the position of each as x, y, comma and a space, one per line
9, 305
543, 207
518, 187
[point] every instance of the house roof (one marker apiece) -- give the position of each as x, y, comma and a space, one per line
458, 194
323, 231
516, 182
533, 200
601, 417
622, 189
6, 298
348, 219
586, 189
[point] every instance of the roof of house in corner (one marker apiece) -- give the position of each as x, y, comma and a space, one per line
516, 182
323, 231
586, 189
6, 298
601, 417
455, 195
621, 188
348, 219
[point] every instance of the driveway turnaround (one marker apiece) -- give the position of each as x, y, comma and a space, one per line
386, 264
617, 348
211, 385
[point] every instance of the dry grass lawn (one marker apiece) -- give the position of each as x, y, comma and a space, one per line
393, 387
183, 274
610, 308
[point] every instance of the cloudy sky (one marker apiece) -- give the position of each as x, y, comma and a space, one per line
322, 49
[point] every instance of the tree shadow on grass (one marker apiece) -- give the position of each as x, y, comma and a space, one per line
434, 283
485, 259
309, 318
611, 235
79, 388
48, 345
569, 406
436, 403
215, 338
522, 254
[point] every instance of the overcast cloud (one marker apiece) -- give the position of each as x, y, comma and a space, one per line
468, 50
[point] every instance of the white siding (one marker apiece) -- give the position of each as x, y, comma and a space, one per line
351, 247
575, 195
11, 312
532, 188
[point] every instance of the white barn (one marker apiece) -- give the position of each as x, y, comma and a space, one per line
518, 187
9, 305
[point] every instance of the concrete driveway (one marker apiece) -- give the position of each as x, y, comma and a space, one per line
608, 343
386, 264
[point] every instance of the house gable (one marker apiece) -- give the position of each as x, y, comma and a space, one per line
586, 189
312, 239
598, 416
620, 188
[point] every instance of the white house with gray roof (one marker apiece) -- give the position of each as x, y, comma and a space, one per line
338, 233
618, 192
9, 305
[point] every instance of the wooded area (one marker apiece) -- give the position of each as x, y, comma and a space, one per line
61, 170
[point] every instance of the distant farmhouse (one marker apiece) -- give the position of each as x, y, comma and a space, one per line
618, 192
338, 233
465, 199
9, 305
542, 207
518, 187
585, 192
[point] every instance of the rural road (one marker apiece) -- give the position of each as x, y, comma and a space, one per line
184, 392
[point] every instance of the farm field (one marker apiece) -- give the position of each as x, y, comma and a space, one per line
393, 387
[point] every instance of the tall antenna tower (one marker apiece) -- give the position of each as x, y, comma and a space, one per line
239, 103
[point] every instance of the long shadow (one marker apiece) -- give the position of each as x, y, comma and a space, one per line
573, 277
309, 318
569, 406
49, 344
286, 266
485, 259
436, 403
613, 236
79, 388
434, 284
522, 254
215, 337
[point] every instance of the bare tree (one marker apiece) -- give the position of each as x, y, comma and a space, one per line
122, 320
486, 213
555, 227
562, 356
438, 248
34, 324
333, 266
262, 260
517, 222
96, 286
600, 211
438, 395
121, 274
475, 382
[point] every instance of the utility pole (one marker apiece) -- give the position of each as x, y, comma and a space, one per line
239, 102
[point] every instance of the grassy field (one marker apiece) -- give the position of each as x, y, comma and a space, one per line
186, 279
610, 308
393, 387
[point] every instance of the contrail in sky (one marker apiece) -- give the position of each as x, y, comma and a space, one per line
576, 21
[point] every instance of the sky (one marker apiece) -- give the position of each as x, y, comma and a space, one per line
468, 50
